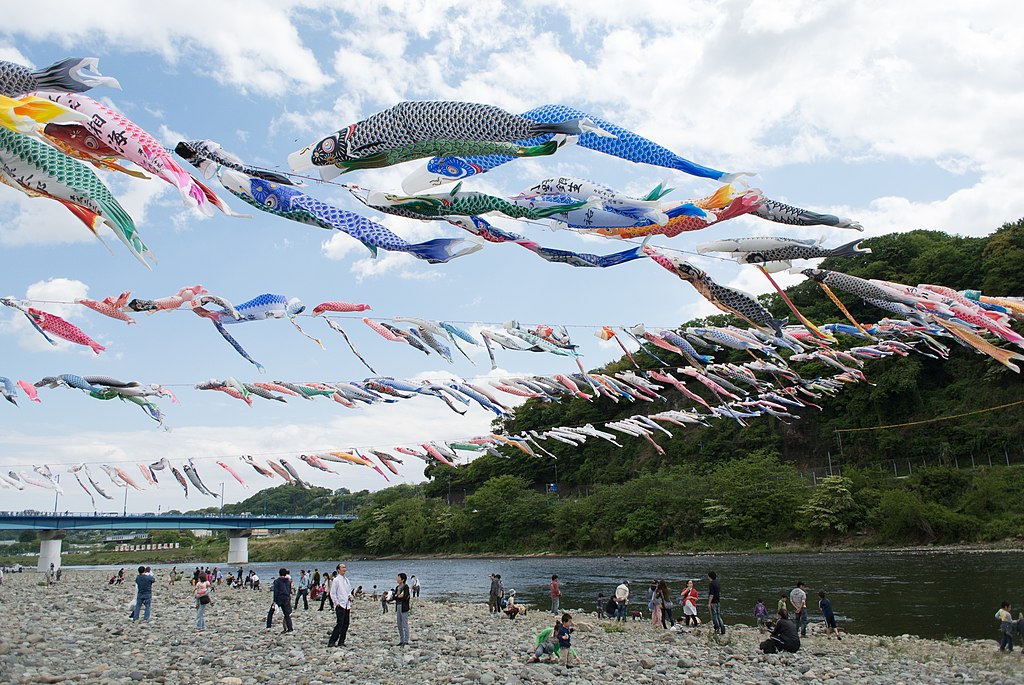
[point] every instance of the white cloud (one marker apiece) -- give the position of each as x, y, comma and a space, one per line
398, 264
55, 296
42, 221
253, 46
37, 221
9, 53
339, 245
422, 419
779, 87
168, 136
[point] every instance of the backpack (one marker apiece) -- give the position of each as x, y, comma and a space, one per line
609, 608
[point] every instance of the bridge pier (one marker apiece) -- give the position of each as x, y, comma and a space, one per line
49, 549
238, 545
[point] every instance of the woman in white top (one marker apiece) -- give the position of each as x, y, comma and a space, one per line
202, 595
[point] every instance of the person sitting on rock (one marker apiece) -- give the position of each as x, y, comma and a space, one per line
511, 608
784, 636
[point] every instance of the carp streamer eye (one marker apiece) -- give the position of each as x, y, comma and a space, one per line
327, 145
271, 201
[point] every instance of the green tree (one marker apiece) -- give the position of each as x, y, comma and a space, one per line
902, 516
717, 517
184, 537
761, 493
830, 508
505, 513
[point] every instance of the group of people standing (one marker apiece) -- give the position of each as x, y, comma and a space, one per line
788, 626
286, 593
663, 606
341, 596
786, 631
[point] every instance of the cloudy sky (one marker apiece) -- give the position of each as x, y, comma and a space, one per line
901, 115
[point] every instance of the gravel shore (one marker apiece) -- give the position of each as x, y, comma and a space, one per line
78, 632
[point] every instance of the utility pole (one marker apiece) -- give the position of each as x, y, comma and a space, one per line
222, 497
125, 511
56, 493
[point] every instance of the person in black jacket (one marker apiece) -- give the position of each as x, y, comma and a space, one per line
283, 599
784, 636
401, 596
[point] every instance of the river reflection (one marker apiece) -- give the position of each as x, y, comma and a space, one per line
931, 594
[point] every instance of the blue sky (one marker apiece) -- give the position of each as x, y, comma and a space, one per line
902, 116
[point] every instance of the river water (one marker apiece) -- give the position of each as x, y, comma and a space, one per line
935, 594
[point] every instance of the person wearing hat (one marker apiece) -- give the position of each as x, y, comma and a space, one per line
511, 608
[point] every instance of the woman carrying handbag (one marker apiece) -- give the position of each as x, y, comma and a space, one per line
202, 595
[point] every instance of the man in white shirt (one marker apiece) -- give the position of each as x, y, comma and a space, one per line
621, 600
341, 595
798, 598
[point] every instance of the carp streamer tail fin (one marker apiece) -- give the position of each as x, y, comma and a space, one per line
441, 250
849, 249
74, 75
542, 150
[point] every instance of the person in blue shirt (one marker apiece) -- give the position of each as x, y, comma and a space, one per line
563, 633
303, 591
826, 613
144, 583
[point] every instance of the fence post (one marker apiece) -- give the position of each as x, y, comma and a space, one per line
894, 471
1007, 459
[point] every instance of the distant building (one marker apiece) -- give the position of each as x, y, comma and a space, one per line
128, 537
202, 532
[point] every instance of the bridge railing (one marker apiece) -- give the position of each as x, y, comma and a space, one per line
100, 514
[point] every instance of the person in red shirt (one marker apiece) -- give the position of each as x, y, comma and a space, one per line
556, 595
688, 597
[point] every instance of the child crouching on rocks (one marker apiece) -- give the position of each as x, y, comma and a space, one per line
544, 644
555, 642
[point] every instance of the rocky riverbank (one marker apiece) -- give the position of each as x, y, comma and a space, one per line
78, 632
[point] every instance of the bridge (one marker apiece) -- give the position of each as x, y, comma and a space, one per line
52, 527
